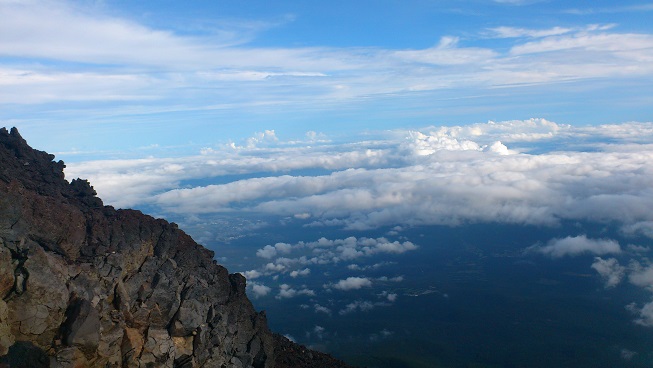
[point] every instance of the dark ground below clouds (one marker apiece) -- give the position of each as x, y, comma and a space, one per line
470, 298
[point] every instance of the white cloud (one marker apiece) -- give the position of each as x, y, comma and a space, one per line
352, 283
447, 52
611, 10
286, 292
265, 137
391, 297
363, 306
510, 32
303, 272
322, 309
641, 276
645, 313
267, 252
393, 279
639, 227
319, 331
326, 251
175, 71
360, 305
356, 267
393, 247
271, 251
637, 248
610, 270
258, 289
577, 245
251, 274
621, 46
627, 354
436, 175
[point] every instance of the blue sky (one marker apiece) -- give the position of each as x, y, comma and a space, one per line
119, 78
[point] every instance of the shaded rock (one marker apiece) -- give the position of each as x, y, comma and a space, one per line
24, 354
82, 325
6, 337
86, 285
291, 355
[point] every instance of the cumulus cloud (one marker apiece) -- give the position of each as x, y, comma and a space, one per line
356, 267
257, 289
303, 272
251, 274
286, 292
265, 137
641, 275
270, 251
473, 184
352, 283
610, 270
392, 279
329, 251
383, 334
644, 313
576, 245
359, 305
275, 267
322, 309
391, 297
267, 252
365, 305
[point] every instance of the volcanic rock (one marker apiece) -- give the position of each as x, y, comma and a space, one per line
86, 285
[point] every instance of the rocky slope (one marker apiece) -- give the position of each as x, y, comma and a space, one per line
86, 285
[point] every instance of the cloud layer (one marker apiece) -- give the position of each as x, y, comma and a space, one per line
506, 172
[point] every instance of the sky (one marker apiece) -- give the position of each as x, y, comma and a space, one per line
355, 122
125, 78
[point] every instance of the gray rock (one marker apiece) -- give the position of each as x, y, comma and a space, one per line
84, 284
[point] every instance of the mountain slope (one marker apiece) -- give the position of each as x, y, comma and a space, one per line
86, 285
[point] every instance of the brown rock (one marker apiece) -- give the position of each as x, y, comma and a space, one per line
85, 285
131, 347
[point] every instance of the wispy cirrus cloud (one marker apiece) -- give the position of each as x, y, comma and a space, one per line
513, 32
613, 9
139, 62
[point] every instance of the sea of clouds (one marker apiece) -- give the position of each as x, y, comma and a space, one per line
523, 172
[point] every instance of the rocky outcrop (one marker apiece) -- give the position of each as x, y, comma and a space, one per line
291, 355
86, 285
